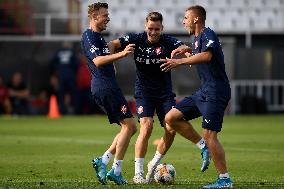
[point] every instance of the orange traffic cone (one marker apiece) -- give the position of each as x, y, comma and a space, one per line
53, 108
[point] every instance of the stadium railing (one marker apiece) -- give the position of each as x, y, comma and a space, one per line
269, 93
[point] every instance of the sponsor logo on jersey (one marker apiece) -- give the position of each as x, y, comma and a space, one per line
123, 109
93, 49
106, 51
140, 110
143, 60
149, 50
141, 49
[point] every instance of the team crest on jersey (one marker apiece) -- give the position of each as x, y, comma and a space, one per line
140, 110
158, 50
123, 109
196, 44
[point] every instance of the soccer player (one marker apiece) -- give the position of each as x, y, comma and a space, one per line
213, 96
106, 91
153, 92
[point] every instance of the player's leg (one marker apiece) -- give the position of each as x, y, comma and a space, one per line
218, 157
163, 107
212, 124
163, 146
100, 163
141, 146
176, 118
145, 111
169, 134
216, 149
167, 140
128, 129
113, 103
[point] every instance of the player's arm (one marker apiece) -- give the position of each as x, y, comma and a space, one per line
114, 45
107, 59
200, 58
183, 49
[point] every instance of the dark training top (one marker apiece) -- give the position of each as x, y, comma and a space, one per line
150, 80
213, 76
93, 45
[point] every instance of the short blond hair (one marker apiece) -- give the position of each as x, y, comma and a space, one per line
95, 7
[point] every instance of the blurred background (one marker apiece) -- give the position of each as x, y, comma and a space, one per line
40, 53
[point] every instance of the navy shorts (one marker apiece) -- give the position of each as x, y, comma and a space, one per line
210, 107
113, 103
146, 107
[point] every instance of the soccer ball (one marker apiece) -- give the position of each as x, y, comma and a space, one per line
165, 174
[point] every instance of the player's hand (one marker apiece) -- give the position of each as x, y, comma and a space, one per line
187, 54
168, 64
180, 50
128, 49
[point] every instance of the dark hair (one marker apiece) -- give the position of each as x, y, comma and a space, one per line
93, 8
154, 16
199, 10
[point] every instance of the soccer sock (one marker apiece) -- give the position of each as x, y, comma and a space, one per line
117, 166
156, 159
106, 157
139, 164
201, 143
225, 175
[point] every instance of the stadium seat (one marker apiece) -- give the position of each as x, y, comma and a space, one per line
213, 17
166, 4
255, 4
219, 4
238, 3
261, 20
239, 20
148, 3
114, 3
274, 3
183, 4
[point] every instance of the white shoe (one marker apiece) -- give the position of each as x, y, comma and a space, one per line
139, 178
150, 174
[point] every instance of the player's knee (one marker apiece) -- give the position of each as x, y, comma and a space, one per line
210, 137
131, 126
146, 122
146, 128
170, 119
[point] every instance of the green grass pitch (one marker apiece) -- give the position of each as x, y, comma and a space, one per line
36, 152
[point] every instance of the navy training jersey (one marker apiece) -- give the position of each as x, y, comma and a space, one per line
93, 45
212, 75
150, 80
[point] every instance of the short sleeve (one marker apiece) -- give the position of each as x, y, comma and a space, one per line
128, 39
90, 46
208, 41
173, 42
